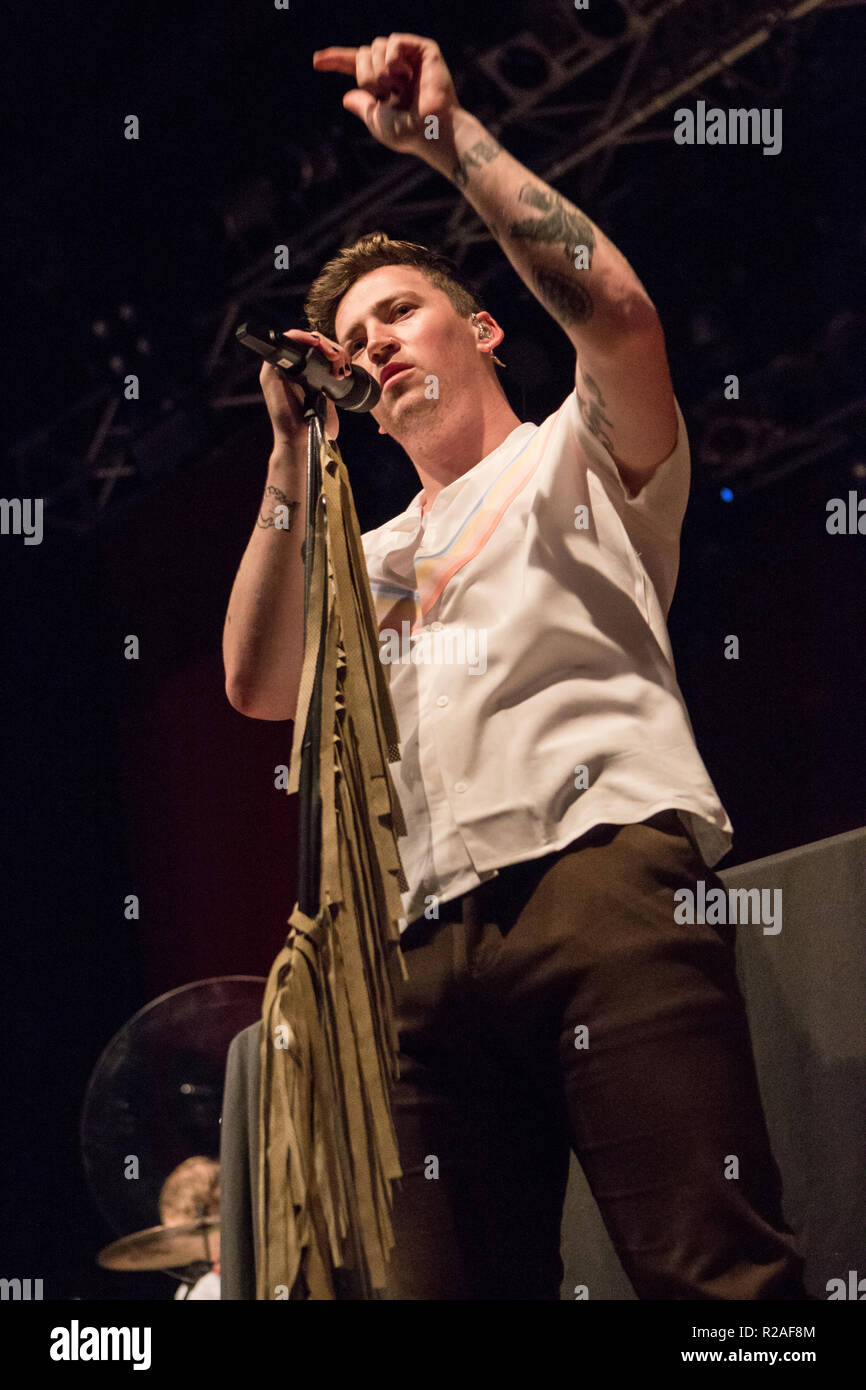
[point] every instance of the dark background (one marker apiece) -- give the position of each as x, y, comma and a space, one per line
138, 777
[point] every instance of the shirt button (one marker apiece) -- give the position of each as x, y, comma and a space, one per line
442, 699
436, 627
460, 786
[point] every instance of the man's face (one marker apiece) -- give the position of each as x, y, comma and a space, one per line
396, 315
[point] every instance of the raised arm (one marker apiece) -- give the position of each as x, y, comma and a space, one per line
406, 98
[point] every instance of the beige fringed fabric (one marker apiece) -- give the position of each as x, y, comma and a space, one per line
327, 1143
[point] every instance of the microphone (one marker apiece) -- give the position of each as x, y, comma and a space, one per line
307, 364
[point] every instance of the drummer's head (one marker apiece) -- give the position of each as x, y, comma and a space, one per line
191, 1191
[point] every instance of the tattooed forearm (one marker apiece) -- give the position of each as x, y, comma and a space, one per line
593, 414
570, 266
482, 152
281, 516
561, 222
567, 300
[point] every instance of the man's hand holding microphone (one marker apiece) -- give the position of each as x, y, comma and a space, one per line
284, 397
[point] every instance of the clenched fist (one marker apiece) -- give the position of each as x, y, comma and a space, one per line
400, 80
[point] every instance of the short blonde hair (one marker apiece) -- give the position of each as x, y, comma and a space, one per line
370, 252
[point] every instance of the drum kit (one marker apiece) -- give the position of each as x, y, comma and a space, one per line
152, 1105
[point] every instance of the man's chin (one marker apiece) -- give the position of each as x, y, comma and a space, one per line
407, 415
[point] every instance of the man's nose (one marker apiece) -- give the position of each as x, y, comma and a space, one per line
380, 347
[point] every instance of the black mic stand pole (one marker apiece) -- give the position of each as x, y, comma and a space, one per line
309, 790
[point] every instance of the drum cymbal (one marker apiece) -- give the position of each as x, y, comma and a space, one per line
155, 1095
165, 1247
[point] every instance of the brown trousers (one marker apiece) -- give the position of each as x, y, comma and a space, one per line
494, 1092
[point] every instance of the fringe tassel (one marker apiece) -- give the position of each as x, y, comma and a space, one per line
329, 1053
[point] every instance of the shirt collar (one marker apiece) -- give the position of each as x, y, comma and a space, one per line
410, 519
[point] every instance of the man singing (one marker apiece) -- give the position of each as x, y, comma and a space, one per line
554, 798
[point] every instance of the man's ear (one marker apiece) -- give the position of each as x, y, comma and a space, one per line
490, 335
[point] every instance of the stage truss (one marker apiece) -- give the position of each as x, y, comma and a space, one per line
558, 95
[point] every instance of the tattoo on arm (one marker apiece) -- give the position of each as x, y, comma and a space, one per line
482, 152
281, 501
561, 222
567, 300
593, 388
592, 413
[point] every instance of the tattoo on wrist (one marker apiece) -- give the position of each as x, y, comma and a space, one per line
566, 299
285, 519
561, 222
482, 152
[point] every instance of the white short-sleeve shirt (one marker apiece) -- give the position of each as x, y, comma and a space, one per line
523, 625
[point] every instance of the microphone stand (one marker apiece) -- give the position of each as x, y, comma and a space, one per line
309, 790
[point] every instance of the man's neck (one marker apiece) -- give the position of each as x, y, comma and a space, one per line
458, 441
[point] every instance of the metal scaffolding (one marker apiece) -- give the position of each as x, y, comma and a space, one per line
556, 77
